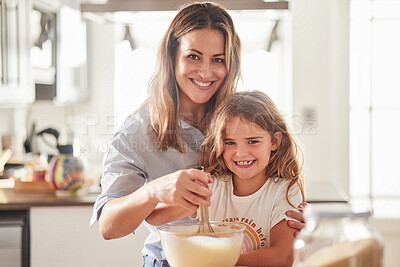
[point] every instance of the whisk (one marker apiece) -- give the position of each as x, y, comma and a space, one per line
204, 221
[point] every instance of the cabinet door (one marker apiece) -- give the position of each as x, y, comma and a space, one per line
61, 236
71, 66
16, 85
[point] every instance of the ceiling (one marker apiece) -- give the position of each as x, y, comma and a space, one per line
163, 5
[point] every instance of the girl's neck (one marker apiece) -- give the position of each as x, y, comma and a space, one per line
246, 187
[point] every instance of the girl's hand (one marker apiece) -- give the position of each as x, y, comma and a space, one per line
300, 223
185, 188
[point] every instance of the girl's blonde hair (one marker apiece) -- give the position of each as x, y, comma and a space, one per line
163, 89
258, 108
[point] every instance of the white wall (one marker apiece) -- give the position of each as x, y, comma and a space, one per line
321, 85
95, 118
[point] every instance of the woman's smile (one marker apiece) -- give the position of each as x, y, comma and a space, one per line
202, 84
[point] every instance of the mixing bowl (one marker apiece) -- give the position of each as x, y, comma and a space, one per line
184, 247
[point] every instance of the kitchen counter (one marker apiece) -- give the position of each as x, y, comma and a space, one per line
10, 200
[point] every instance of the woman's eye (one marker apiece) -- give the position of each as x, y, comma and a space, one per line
193, 57
219, 60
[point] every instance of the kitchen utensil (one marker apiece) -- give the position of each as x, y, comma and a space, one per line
204, 222
183, 246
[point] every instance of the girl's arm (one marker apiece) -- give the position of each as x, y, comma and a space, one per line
280, 252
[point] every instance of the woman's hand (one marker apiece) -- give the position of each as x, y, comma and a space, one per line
300, 223
179, 195
185, 188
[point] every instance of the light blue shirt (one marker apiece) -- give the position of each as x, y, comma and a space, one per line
133, 159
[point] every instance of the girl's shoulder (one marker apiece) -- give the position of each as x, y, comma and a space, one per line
281, 185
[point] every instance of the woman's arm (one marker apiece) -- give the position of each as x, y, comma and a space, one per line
280, 252
167, 213
164, 213
121, 216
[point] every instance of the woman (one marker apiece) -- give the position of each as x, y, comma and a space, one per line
149, 158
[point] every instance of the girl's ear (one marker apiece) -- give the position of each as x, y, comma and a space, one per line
276, 141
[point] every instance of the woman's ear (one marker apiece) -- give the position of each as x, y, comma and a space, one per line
276, 141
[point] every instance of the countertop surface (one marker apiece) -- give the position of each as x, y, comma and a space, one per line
11, 200
323, 191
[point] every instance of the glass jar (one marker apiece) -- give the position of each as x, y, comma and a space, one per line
336, 235
66, 172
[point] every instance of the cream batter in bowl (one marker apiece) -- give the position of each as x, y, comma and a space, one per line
183, 246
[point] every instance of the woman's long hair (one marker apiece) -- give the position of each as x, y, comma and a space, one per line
255, 107
163, 97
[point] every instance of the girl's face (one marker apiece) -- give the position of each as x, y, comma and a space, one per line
200, 65
247, 150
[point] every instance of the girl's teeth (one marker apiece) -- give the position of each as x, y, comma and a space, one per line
202, 84
244, 162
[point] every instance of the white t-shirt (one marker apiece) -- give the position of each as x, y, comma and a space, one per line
259, 212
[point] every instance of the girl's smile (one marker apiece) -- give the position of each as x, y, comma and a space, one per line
247, 151
245, 164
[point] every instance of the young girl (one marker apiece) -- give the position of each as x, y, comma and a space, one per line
250, 151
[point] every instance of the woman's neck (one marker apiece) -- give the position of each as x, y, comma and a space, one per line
195, 115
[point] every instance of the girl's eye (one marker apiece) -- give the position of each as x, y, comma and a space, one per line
253, 141
219, 60
229, 143
193, 57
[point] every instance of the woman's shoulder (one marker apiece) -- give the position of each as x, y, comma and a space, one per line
136, 123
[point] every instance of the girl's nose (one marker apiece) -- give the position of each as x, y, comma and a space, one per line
241, 151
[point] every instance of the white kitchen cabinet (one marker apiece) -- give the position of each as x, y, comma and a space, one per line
16, 84
61, 236
64, 78
67, 74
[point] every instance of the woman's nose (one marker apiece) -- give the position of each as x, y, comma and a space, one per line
205, 70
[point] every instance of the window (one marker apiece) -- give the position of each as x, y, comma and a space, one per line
375, 105
264, 60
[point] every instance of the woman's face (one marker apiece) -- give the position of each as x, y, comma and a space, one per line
200, 65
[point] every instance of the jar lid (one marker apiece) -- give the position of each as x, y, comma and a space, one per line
335, 210
65, 149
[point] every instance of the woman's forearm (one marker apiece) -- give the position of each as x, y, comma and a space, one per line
121, 216
166, 213
185, 188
